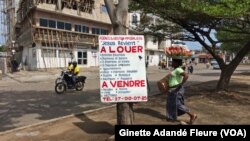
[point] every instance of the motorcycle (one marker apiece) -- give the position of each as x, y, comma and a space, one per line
64, 82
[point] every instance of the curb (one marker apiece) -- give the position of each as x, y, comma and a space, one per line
55, 120
11, 77
25, 81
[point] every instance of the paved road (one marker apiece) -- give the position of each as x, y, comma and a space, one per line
27, 103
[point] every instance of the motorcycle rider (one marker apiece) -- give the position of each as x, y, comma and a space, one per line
70, 66
75, 72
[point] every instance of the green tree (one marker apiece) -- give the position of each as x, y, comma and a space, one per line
199, 19
2, 48
234, 46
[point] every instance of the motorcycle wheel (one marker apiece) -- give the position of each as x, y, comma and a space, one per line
79, 86
60, 88
57, 80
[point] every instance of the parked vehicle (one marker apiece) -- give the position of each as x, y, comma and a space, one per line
64, 82
215, 64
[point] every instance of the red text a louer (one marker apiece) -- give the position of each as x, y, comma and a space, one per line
122, 49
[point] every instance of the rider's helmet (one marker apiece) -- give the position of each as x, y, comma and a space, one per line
69, 63
74, 63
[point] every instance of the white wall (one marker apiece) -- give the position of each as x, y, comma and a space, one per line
50, 62
63, 62
93, 58
25, 58
166, 43
56, 62
3, 65
150, 44
153, 60
32, 58
29, 61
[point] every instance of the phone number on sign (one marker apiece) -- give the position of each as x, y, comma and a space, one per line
125, 98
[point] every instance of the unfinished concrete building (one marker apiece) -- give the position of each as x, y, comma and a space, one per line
50, 33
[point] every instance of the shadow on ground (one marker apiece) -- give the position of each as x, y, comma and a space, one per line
28, 107
94, 127
151, 112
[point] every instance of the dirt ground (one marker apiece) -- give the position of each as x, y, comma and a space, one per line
211, 108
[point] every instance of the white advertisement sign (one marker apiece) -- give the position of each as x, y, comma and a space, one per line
122, 68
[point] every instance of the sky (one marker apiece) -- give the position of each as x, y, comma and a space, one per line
193, 45
197, 45
1, 34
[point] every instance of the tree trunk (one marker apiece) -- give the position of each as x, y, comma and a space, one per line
227, 70
125, 113
225, 77
118, 16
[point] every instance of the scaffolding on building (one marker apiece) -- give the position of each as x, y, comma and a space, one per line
65, 41
52, 39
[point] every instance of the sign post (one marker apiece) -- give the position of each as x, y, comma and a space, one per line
122, 68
